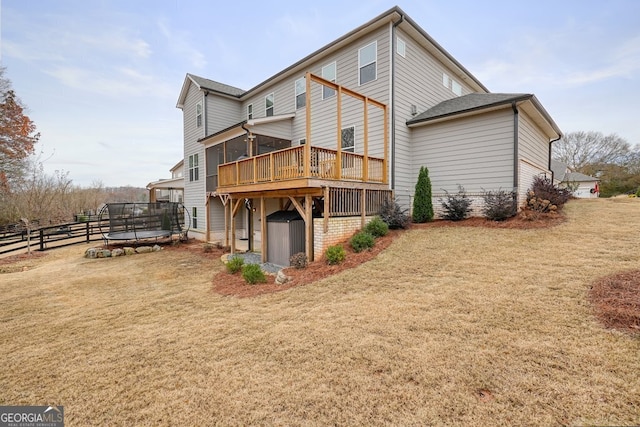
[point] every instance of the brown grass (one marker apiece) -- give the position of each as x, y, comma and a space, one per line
449, 325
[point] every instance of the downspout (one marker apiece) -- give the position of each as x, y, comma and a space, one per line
550, 150
514, 107
393, 101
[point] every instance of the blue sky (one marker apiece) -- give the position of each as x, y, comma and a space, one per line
101, 78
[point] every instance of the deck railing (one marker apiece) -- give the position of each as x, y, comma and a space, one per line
291, 163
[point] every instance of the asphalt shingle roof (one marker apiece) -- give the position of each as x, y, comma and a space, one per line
217, 86
466, 103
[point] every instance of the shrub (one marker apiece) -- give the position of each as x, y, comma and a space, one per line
361, 241
208, 247
234, 264
422, 203
543, 196
457, 206
252, 274
638, 192
335, 254
377, 227
299, 260
393, 215
499, 205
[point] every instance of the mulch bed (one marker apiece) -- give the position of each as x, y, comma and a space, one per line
616, 301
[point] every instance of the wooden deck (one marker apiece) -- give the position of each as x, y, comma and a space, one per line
298, 167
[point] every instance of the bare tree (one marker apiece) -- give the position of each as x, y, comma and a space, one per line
580, 150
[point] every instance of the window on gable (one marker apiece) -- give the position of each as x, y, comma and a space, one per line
249, 111
328, 73
199, 114
349, 139
301, 93
367, 58
194, 170
449, 83
268, 105
401, 47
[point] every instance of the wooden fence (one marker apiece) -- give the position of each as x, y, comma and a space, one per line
51, 237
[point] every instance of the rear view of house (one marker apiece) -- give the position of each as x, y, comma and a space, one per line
347, 127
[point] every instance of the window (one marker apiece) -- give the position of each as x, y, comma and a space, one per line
367, 57
249, 111
268, 105
199, 114
301, 93
349, 139
194, 216
449, 83
328, 73
193, 168
401, 47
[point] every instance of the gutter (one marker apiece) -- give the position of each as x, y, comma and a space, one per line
393, 100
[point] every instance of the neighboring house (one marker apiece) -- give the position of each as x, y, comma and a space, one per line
583, 186
169, 190
351, 124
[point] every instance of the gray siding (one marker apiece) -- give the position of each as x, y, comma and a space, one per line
533, 144
222, 113
194, 192
418, 81
280, 129
475, 152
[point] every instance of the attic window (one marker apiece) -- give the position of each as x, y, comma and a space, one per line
451, 84
401, 47
268, 105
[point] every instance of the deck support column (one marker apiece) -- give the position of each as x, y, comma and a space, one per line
363, 207
263, 230
207, 210
308, 214
327, 205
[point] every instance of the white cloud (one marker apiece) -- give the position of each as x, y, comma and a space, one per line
179, 43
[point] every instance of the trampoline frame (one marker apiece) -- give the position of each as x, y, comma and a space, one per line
143, 221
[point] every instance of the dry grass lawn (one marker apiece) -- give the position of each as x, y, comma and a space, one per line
449, 325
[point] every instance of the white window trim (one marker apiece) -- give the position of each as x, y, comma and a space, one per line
249, 111
296, 94
360, 65
335, 78
199, 114
193, 166
273, 103
399, 42
354, 138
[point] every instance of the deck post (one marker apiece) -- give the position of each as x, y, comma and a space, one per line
363, 207
327, 205
308, 210
207, 208
365, 131
307, 146
263, 230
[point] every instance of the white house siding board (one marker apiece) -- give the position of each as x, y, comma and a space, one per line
418, 81
280, 129
475, 152
222, 113
527, 171
533, 145
194, 191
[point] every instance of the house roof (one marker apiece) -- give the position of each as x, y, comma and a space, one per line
209, 86
559, 170
578, 177
394, 15
475, 103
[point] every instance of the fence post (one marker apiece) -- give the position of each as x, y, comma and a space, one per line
41, 239
88, 240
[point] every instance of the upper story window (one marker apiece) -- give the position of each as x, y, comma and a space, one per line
449, 83
328, 73
349, 139
401, 47
268, 105
199, 114
367, 58
301, 93
194, 174
249, 111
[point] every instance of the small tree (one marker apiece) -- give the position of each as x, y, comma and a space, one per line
422, 203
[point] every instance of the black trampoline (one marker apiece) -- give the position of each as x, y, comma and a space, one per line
143, 221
